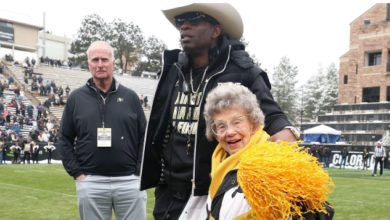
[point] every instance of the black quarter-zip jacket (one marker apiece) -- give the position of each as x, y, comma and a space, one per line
81, 119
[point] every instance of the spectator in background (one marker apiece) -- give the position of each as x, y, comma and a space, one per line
141, 98
327, 156
344, 155
366, 156
321, 155
39, 109
40, 137
23, 109
33, 61
2, 87
16, 128
46, 136
67, 90
146, 101
30, 110
1, 108
40, 79
10, 80
379, 156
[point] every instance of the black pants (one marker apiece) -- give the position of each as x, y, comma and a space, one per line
49, 157
26, 155
15, 157
166, 205
365, 164
35, 157
378, 160
39, 114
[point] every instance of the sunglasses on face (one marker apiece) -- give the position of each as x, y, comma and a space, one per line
194, 18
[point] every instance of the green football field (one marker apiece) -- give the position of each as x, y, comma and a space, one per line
47, 192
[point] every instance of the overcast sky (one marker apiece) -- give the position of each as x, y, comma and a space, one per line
308, 32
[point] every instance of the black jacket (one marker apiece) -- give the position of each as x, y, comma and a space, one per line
81, 118
344, 153
233, 64
366, 155
327, 153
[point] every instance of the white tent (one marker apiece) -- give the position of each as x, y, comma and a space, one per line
322, 134
322, 129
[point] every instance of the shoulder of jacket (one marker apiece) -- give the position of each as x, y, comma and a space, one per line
241, 58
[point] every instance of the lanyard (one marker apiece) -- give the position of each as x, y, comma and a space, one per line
103, 106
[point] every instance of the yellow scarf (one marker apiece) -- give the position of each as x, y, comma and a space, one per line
221, 166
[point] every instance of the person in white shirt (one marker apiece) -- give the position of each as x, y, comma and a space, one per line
379, 156
16, 149
49, 125
49, 149
46, 136
35, 152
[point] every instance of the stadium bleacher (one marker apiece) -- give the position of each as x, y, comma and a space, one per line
76, 78
8, 95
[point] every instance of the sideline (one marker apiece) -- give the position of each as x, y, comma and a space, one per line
47, 191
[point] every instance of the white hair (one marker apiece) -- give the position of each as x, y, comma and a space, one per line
104, 43
227, 96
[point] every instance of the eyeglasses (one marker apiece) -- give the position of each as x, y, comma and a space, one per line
237, 123
194, 18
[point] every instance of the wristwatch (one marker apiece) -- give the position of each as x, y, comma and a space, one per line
294, 131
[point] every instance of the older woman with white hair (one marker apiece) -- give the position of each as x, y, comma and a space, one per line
233, 117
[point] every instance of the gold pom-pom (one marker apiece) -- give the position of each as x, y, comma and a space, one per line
278, 178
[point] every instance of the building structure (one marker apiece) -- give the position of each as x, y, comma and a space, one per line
363, 110
364, 74
57, 47
18, 35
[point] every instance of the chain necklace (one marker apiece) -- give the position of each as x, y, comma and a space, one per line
192, 83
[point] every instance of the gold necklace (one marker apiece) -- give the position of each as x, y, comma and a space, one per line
192, 83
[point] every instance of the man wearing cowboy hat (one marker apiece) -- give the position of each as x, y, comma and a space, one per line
176, 151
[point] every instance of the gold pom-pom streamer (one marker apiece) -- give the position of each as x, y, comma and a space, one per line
278, 178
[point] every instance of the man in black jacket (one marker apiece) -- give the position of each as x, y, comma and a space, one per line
109, 123
176, 151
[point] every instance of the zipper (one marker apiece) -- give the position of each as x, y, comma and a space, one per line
200, 105
104, 99
150, 115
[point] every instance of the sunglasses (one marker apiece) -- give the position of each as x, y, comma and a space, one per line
194, 18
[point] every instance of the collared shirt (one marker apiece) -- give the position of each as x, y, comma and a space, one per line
104, 94
380, 152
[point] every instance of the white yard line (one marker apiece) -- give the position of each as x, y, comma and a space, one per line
41, 190
31, 197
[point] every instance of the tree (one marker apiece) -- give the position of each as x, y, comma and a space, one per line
283, 89
321, 92
331, 87
254, 58
93, 28
127, 39
152, 56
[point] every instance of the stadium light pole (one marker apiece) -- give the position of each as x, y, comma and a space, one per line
44, 36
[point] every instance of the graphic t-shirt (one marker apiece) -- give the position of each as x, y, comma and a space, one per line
184, 113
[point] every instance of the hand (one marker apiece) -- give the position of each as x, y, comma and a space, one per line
383, 158
81, 177
283, 135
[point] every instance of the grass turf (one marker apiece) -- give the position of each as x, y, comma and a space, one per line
47, 192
